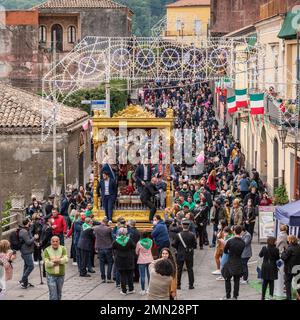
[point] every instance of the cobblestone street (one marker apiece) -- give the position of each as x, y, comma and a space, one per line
77, 288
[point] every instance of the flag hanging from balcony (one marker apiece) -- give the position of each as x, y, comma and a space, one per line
226, 83
231, 104
241, 98
257, 103
218, 86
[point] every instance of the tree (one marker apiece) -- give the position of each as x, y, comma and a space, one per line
118, 96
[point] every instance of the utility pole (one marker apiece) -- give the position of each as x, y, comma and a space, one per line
54, 120
107, 82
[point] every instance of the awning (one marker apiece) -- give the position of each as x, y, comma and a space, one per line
288, 29
252, 40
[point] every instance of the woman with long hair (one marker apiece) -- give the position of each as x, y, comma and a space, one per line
167, 254
269, 270
6, 270
249, 216
143, 251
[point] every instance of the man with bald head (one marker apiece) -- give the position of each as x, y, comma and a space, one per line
55, 257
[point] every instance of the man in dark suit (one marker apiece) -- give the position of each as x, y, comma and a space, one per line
233, 267
107, 186
86, 247
142, 176
148, 192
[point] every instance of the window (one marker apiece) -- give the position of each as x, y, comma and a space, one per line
198, 27
72, 34
57, 37
178, 25
42, 34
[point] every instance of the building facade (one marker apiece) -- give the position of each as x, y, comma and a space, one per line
32, 41
274, 74
188, 20
26, 164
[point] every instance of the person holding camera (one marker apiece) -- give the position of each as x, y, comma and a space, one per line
185, 243
7, 256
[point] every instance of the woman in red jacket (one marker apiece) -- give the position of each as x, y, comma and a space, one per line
212, 182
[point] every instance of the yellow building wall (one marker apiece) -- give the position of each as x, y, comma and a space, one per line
291, 70
187, 15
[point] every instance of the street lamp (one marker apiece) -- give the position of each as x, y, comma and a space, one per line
282, 132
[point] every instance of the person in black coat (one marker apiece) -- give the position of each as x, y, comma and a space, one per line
269, 270
148, 192
124, 251
233, 267
134, 235
249, 216
86, 247
201, 212
291, 258
185, 253
254, 196
142, 175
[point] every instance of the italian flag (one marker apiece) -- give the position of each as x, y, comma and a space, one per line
218, 87
257, 103
241, 98
227, 83
231, 104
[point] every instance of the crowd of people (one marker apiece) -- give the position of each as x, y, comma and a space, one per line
224, 197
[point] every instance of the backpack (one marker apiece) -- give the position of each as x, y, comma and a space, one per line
15, 241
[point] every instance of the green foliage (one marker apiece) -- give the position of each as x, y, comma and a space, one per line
19, 4
5, 215
280, 196
118, 96
146, 12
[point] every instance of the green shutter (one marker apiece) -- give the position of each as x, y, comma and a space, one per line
252, 40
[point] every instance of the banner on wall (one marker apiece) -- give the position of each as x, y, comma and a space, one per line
266, 223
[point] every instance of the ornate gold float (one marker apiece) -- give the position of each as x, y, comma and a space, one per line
133, 116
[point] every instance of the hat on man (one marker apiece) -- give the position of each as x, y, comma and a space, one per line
51, 196
185, 222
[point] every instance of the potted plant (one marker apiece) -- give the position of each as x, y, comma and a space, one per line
280, 196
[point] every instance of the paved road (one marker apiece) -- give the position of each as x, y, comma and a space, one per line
77, 288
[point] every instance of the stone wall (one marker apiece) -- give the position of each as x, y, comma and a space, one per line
19, 58
26, 163
242, 13
105, 22
98, 22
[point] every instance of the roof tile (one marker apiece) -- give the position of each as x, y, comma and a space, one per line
21, 109
189, 3
109, 4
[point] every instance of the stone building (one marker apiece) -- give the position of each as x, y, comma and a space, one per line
75, 20
25, 162
243, 13
27, 37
